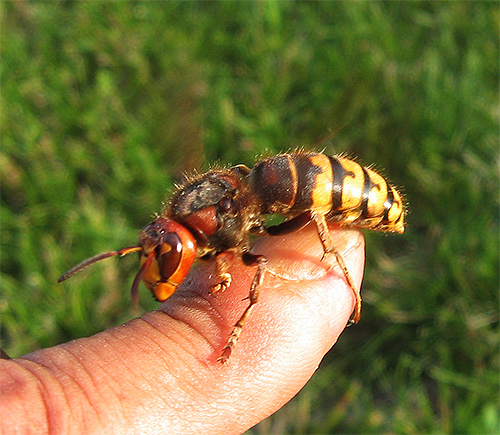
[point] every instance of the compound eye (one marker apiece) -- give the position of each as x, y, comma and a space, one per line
169, 255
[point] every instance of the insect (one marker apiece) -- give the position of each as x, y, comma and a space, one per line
214, 214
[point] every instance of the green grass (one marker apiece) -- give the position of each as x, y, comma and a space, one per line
106, 104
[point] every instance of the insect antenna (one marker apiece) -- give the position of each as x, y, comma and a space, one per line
95, 259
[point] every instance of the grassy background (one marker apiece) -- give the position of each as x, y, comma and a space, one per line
105, 105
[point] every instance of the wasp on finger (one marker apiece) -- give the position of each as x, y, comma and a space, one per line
216, 213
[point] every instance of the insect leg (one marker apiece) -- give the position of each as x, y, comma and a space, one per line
329, 248
250, 260
290, 225
224, 277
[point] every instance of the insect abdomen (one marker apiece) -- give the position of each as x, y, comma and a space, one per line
336, 187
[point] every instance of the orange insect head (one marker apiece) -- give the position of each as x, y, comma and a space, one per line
167, 251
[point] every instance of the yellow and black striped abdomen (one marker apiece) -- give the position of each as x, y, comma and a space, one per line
336, 187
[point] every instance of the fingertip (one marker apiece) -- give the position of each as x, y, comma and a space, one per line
173, 352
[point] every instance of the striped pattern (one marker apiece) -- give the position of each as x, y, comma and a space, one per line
336, 187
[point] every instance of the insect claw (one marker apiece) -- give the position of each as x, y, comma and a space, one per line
226, 353
226, 280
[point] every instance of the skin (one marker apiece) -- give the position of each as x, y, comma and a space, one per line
159, 373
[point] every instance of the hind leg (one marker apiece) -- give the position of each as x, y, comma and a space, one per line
329, 248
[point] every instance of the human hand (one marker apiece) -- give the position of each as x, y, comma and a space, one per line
159, 373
